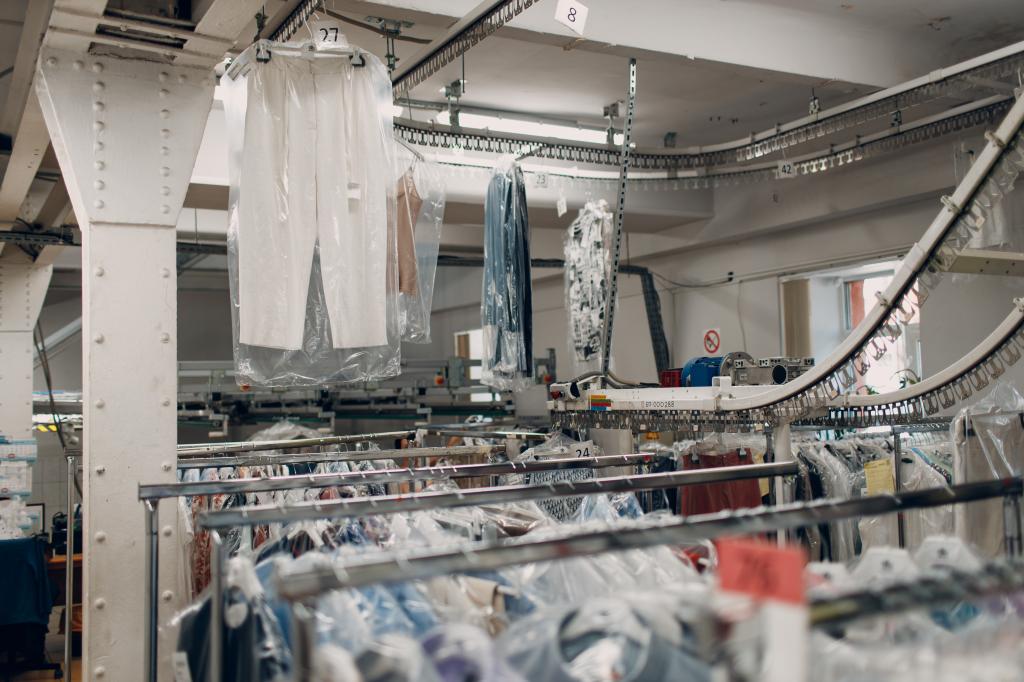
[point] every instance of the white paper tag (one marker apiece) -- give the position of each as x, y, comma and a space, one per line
181, 669
572, 14
786, 169
327, 33
584, 449
561, 206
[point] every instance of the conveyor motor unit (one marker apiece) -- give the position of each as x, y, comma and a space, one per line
741, 367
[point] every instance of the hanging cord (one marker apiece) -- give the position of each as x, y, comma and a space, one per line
44, 360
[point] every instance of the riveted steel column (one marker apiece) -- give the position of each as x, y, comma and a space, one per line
126, 133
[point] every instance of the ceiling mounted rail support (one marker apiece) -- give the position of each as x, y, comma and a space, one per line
287, 28
620, 212
484, 20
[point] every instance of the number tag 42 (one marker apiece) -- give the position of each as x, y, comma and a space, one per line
572, 14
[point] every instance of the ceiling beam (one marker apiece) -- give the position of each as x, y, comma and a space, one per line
813, 44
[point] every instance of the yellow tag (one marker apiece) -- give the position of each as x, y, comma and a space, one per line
879, 478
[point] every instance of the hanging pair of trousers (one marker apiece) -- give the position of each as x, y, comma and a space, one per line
315, 171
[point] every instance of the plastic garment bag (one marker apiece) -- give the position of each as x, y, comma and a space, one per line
420, 192
254, 646
988, 441
462, 653
602, 640
311, 247
507, 297
587, 274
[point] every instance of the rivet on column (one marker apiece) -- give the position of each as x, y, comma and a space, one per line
165, 208
167, 530
165, 273
101, 470
166, 466
98, 338
99, 671
97, 67
99, 86
182, 78
98, 126
165, 190
165, 133
167, 595
98, 203
165, 113
162, 77
99, 165
51, 61
165, 171
165, 337
100, 603
99, 184
78, 65
98, 106
99, 404
164, 93
165, 402
99, 271
100, 536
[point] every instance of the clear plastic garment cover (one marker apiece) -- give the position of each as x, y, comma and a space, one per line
420, 192
587, 272
312, 251
507, 297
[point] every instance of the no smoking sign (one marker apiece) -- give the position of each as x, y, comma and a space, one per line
712, 340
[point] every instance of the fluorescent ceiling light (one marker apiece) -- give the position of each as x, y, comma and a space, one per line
532, 128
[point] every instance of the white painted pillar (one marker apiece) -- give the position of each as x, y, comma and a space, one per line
126, 133
22, 289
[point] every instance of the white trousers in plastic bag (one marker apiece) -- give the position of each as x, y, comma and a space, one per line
314, 168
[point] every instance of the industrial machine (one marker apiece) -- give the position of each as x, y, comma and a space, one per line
742, 368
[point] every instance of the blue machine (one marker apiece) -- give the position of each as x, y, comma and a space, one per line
701, 370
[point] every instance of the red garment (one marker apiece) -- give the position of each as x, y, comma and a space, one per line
705, 498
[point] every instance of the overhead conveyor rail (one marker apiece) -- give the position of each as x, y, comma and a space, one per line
961, 217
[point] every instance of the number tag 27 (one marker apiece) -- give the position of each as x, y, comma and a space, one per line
572, 14
327, 33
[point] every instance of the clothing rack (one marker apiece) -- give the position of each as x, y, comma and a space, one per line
388, 567
949, 586
347, 456
298, 586
215, 521
392, 504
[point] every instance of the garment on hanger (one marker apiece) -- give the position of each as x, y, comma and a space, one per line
409, 207
507, 299
587, 273
988, 438
705, 498
310, 239
420, 217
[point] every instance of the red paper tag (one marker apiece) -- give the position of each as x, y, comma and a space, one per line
761, 570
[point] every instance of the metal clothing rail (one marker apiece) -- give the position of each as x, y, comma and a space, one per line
159, 491
949, 586
389, 567
258, 445
347, 456
394, 504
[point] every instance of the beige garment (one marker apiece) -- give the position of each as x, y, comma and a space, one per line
409, 206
